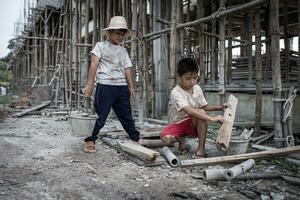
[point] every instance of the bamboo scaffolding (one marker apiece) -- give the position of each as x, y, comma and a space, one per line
258, 102
276, 78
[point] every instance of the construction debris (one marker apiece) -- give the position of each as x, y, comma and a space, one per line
42, 105
170, 156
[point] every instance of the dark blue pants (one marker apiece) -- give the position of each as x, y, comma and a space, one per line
117, 98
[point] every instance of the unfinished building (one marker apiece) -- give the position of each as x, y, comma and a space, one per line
249, 48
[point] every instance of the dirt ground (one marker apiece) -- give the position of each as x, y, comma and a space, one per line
40, 159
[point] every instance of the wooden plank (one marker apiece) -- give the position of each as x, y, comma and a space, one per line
138, 150
113, 143
151, 134
42, 105
239, 157
226, 128
155, 143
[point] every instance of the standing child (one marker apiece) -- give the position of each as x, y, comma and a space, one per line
111, 65
188, 108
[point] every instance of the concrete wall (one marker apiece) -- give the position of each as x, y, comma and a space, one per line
246, 108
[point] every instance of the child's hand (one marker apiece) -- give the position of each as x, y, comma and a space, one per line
88, 90
218, 118
132, 94
87, 102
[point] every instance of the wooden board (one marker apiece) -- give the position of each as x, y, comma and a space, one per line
113, 143
150, 134
226, 128
42, 105
239, 157
138, 150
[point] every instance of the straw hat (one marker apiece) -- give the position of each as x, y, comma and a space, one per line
117, 22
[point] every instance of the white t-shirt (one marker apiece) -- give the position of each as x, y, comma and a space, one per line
113, 59
181, 98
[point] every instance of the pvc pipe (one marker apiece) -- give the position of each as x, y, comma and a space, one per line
170, 156
239, 169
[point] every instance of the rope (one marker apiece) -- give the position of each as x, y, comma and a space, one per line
289, 101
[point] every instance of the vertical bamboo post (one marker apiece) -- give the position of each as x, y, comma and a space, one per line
76, 48
153, 95
188, 18
173, 36
214, 57
108, 11
145, 60
71, 54
229, 54
140, 61
180, 38
133, 50
95, 30
286, 40
45, 71
258, 65
35, 53
276, 73
86, 41
268, 43
200, 14
65, 55
222, 89
249, 50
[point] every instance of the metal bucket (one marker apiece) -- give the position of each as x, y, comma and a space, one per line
82, 126
237, 146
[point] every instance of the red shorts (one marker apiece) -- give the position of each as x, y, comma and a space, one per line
181, 129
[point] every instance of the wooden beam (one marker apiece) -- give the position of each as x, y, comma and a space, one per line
258, 66
226, 128
276, 72
139, 151
42, 105
173, 39
239, 157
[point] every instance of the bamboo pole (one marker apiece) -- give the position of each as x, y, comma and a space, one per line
214, 56
153, 94
286, 40
108, 11
258, 66
85, 67
200, 14
218, 14
249, 49
141, 101
133, 50
70, 54
65, 55
188, 18
173, 39
268, 43
221, 64
276, 74
95, 30
76, 49
45, 79
145, 62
